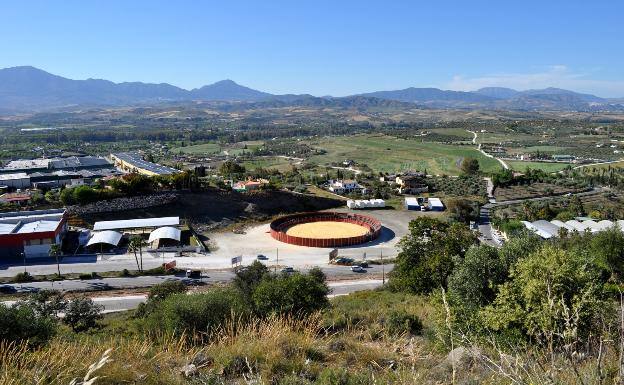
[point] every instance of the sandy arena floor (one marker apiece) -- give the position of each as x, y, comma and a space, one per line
326, 230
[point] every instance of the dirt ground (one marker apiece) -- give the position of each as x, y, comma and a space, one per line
326, 230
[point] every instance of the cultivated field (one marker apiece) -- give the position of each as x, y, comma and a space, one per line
389, 154
546, 166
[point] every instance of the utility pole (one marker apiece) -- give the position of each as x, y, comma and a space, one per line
277, 259
383, 269
24, 257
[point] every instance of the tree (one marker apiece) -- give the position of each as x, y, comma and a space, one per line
462, 210
136, 244
470, 166
607, 247
55, 251
475, 279
82, 314
295, 294
554, 296
248, 278
428, 254
229, 168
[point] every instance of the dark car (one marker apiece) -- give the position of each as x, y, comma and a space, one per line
195, 274
261, 257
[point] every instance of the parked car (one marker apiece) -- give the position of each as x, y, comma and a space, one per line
357, 269
195, 274
288, 270
261, 257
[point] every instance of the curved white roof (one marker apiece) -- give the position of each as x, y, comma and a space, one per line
108, 237
560, 224
578, 226
605, 224
136, 223
165, 232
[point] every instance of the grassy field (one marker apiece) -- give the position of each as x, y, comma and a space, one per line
198, 149
546, 166
619, 164
280, 164
390, 154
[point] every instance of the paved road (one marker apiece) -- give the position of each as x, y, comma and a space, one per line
129, 302
212, 276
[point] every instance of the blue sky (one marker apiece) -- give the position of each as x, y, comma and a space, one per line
324, 47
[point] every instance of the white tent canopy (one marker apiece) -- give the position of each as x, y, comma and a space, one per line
108, 237
136, 223
165, 232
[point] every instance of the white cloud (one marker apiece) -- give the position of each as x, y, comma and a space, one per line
559, 76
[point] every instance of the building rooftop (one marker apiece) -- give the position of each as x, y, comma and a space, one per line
28, 222
71, 162
137, 161
17, 175
136, 223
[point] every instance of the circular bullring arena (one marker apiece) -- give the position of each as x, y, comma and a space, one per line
325, 229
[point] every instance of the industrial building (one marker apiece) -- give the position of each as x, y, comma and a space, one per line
550, 229
17, 180
132, 162
73, 163
30, 234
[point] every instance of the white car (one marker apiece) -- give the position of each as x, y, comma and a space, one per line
357, 269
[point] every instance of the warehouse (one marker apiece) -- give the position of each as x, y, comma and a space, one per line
18, 180
73, 163
30, 233
133, 163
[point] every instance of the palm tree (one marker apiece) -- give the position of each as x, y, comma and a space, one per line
55, 251
136, 244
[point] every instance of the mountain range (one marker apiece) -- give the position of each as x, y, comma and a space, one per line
27, 88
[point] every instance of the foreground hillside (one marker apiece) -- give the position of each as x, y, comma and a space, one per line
453, 312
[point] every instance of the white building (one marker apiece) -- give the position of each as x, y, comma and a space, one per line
345, 186
17, 180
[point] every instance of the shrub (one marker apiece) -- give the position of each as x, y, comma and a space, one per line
546, 289
21, 322
82, 314
166, 289
197, 313
400, 321
292, 294
23, 277
47, 303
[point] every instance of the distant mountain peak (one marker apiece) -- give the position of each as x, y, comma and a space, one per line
27, 88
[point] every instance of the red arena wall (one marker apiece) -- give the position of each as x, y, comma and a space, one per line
280, 225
